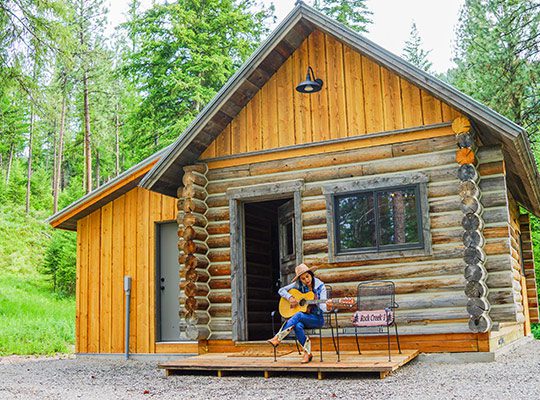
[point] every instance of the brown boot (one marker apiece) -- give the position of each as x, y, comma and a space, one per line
307, 357
276, 340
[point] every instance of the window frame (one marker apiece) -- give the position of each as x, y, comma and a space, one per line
374, 186
378, 248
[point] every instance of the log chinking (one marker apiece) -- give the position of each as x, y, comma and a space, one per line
192, 238
478, 306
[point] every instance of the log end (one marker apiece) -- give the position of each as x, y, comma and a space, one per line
461, 125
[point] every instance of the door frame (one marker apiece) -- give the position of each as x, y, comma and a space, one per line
248, 194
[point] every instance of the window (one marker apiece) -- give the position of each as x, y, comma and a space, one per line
378, 218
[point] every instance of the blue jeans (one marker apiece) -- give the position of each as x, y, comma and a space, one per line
303, 320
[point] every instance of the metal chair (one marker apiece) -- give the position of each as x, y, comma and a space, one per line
327, 324
377, 296
273, 314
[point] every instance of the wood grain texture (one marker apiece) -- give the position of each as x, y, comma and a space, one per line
83, 238
117, 266
358, 96
105, 279
427, 285
114, 241
94, 281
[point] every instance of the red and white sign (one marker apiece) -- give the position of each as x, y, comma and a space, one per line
373, 318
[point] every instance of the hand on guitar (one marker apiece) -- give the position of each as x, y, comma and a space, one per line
329, 304
293, 301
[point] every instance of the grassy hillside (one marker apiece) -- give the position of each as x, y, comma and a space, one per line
33, 319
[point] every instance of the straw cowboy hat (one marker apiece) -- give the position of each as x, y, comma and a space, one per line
302, 268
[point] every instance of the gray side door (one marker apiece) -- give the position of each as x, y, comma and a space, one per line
168, 283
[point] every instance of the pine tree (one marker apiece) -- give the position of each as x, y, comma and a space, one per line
497, 52
93, 61
352, 13
413, 51
182, 54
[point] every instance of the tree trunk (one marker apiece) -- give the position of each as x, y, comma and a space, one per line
60, 154
87, 146
117, 142
10, 162
29, 170
98, 172
55, 156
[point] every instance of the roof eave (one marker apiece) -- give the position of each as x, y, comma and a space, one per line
58, 219
224, 93
462, 102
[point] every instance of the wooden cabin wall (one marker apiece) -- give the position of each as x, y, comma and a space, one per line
522, 301
358, 97
429, 288
116, 240
503, 270
528, 266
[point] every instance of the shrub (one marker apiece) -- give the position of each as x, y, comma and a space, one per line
536, 331
60, 262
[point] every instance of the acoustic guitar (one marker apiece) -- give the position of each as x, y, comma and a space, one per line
305, 299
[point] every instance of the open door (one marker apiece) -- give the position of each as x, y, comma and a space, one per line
270, 258
287, 245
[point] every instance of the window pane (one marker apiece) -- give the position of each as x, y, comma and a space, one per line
355, 221
398, 219
289, 241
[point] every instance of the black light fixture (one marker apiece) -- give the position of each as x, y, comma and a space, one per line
311, 84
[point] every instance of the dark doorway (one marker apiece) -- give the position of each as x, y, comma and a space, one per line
269, 252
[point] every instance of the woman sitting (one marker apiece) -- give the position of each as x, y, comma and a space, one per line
305, 281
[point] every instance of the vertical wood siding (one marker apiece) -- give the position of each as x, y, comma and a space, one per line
358, 97
117, 240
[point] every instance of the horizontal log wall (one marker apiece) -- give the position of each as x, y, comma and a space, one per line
358, 97
528, 266
503, 278
429, 288
116, 240
516, 259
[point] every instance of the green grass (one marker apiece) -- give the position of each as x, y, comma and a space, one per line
33, 320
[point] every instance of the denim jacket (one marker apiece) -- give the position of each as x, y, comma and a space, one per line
319, 290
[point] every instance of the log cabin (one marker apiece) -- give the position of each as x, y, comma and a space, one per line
384, 173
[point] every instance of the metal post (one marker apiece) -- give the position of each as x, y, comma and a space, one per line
127, 289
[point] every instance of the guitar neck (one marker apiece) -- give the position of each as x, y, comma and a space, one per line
334, 301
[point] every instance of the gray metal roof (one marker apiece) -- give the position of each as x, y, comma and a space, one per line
492, 127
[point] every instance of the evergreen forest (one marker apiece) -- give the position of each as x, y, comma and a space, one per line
81, 103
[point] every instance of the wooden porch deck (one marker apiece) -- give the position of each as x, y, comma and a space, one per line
220, 363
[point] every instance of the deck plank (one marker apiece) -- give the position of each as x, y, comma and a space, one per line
368, 361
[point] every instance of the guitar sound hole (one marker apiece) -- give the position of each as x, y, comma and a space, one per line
302, 302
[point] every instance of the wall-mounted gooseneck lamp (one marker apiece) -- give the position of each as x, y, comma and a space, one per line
311, 84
